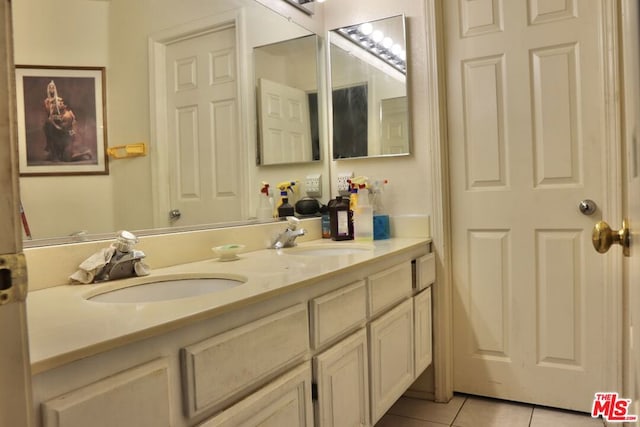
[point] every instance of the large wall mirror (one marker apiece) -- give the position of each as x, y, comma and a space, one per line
179, 76
369, 89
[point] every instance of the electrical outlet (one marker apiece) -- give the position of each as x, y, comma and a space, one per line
343, 183
313, 185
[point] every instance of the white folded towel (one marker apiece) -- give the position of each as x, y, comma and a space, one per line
91, 266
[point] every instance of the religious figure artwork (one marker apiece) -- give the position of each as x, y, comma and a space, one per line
61, 127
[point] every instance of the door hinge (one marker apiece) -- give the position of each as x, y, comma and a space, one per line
13, 278
314, 391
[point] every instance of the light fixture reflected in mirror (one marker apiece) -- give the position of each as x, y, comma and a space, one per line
307, 6
377, 43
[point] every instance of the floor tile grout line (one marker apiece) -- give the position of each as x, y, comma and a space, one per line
459, 409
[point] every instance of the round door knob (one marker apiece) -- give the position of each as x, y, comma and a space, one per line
603, 237
587, 207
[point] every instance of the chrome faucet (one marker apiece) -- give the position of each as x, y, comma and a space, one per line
125, 261
287, 238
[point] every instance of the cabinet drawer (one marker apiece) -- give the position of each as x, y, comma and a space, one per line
219, 370
425, 271
338, 312
135, 397
284, 402
389, 287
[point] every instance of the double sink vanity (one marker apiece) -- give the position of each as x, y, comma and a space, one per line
324, 333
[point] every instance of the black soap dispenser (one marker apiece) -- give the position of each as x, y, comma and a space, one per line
285, 209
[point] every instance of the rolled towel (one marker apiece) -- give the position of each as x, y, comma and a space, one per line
91, 266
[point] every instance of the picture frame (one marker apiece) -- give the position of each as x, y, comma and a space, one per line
61, 120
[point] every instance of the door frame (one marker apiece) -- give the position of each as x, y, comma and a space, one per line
630, 42
441, 217
611, 207
16, 402
158, 43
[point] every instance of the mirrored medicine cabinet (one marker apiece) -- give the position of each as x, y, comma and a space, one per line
369, 97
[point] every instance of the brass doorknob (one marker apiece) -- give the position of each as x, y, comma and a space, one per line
603, 237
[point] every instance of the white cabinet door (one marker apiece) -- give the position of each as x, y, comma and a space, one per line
284, 402
137, 397
343, 385
391, 357
422, 331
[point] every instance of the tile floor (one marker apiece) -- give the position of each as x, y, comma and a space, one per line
473, 411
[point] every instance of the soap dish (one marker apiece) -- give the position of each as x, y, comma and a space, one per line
228, 252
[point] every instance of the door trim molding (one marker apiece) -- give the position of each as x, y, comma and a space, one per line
441, 225
16, 401
612, 206
158, 43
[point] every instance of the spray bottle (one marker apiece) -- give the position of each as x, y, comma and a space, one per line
381, 227
265, 202
284, 208
362, 210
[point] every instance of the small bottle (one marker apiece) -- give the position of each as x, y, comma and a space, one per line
363, 217
285, 209
326, 222
341, 219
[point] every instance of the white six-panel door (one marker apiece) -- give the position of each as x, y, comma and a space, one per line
285, 131
204, 142
526, 110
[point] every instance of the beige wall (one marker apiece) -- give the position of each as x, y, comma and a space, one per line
62, 205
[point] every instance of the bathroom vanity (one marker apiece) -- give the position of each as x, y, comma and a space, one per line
315, 335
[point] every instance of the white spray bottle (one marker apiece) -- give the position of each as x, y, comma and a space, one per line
265, 203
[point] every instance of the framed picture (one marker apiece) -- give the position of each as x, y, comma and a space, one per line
61, 120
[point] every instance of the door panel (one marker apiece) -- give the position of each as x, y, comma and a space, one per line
284, 123
203, 127
394, 134
526, 124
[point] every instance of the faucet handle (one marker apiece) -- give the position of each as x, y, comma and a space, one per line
125, 241
293, 222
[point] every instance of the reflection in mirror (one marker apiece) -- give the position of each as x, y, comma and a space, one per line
307, 6
201, 178
287, 101
369, 89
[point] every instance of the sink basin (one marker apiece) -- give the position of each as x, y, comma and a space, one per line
166, 290
329, 250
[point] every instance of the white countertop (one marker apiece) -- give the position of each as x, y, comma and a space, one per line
64, 326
